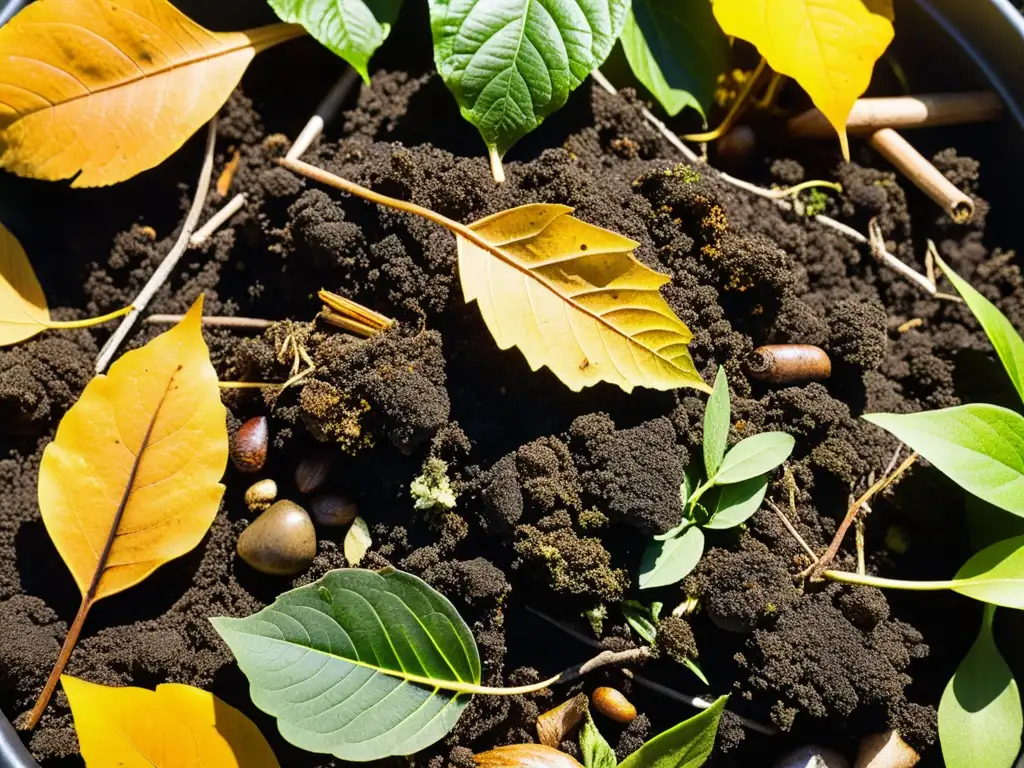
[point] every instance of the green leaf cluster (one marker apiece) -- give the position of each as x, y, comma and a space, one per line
981, 448
511, 65
736, 483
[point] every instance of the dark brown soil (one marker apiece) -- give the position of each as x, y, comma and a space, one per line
558, 491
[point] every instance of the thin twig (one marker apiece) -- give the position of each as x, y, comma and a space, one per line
693, 701
326, 111
858, 529
815, 571
882, 254
604, 659
251, 323
792, 529
233, 206
171, 260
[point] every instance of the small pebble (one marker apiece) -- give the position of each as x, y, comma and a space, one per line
885, 750
281, 541
249, 448
333, 509
813, 756
613, 705
312, 473
260, 495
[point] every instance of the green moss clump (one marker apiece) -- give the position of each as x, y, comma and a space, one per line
432, 489
675, 639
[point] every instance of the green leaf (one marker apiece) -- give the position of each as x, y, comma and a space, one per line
689, 483
995, 575
754, 456
666, 562
596, 751
511, 64
1008, 343
353, 29
363, 675
980, 447
691, 665
716, 424
687, 745
980, 717
677, 50
642, 619
737, 502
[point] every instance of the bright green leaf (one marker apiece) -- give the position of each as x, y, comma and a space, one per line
689, 483
687, 745
980, 713
980, 447
363, 675
691, 665
737, 502
510, 65
353, 29
596, 751
642, 619
995, 575
677, 50
1008, 343
666, 562
716, 424
754, 456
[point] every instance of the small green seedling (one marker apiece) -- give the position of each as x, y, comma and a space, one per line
981, 448
735, 485
644, 621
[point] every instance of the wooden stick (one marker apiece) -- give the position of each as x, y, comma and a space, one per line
171, 260
870, 115
326, 111
218, 219
925, 176
253, 323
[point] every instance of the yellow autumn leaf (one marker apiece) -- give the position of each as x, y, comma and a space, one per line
132, 479
23, 309
828, 46
175, 726
571, 296
112, 87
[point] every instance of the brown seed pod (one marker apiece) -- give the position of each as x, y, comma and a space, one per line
556, 724
312, 473
260, 495
525, 756
249, 448
789, 363
613, 705
333, 509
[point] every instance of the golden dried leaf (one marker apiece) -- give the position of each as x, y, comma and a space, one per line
556, 724
175, 726
525, 756
132, 479
572, 296
23, 310
112, 88
828, 46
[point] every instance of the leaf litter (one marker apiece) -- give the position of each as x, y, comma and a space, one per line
558, 482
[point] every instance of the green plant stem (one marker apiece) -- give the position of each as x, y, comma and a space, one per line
692, 501
877, 581
798, 188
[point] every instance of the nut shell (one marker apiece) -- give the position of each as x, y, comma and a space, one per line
613, 705
260, 495
334, 509
312, 472
249, 448
281, 541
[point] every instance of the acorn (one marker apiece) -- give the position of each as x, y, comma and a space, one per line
249, 448
613, 705
312, 472
260, 495
333, 509
281, 541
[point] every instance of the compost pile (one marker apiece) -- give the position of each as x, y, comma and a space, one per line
558, 492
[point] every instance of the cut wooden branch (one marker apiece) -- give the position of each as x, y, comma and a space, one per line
925, 176
170, 261
870, 115
249, 323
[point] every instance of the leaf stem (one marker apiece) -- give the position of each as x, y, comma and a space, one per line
62, 659
497, 169
735, 110
877, 581
90, 321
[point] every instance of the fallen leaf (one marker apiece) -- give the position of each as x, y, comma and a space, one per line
357, 542
571, 296
132, 479
525, 756
23, 309
175, 726
555, 725
112, 88
828, 46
